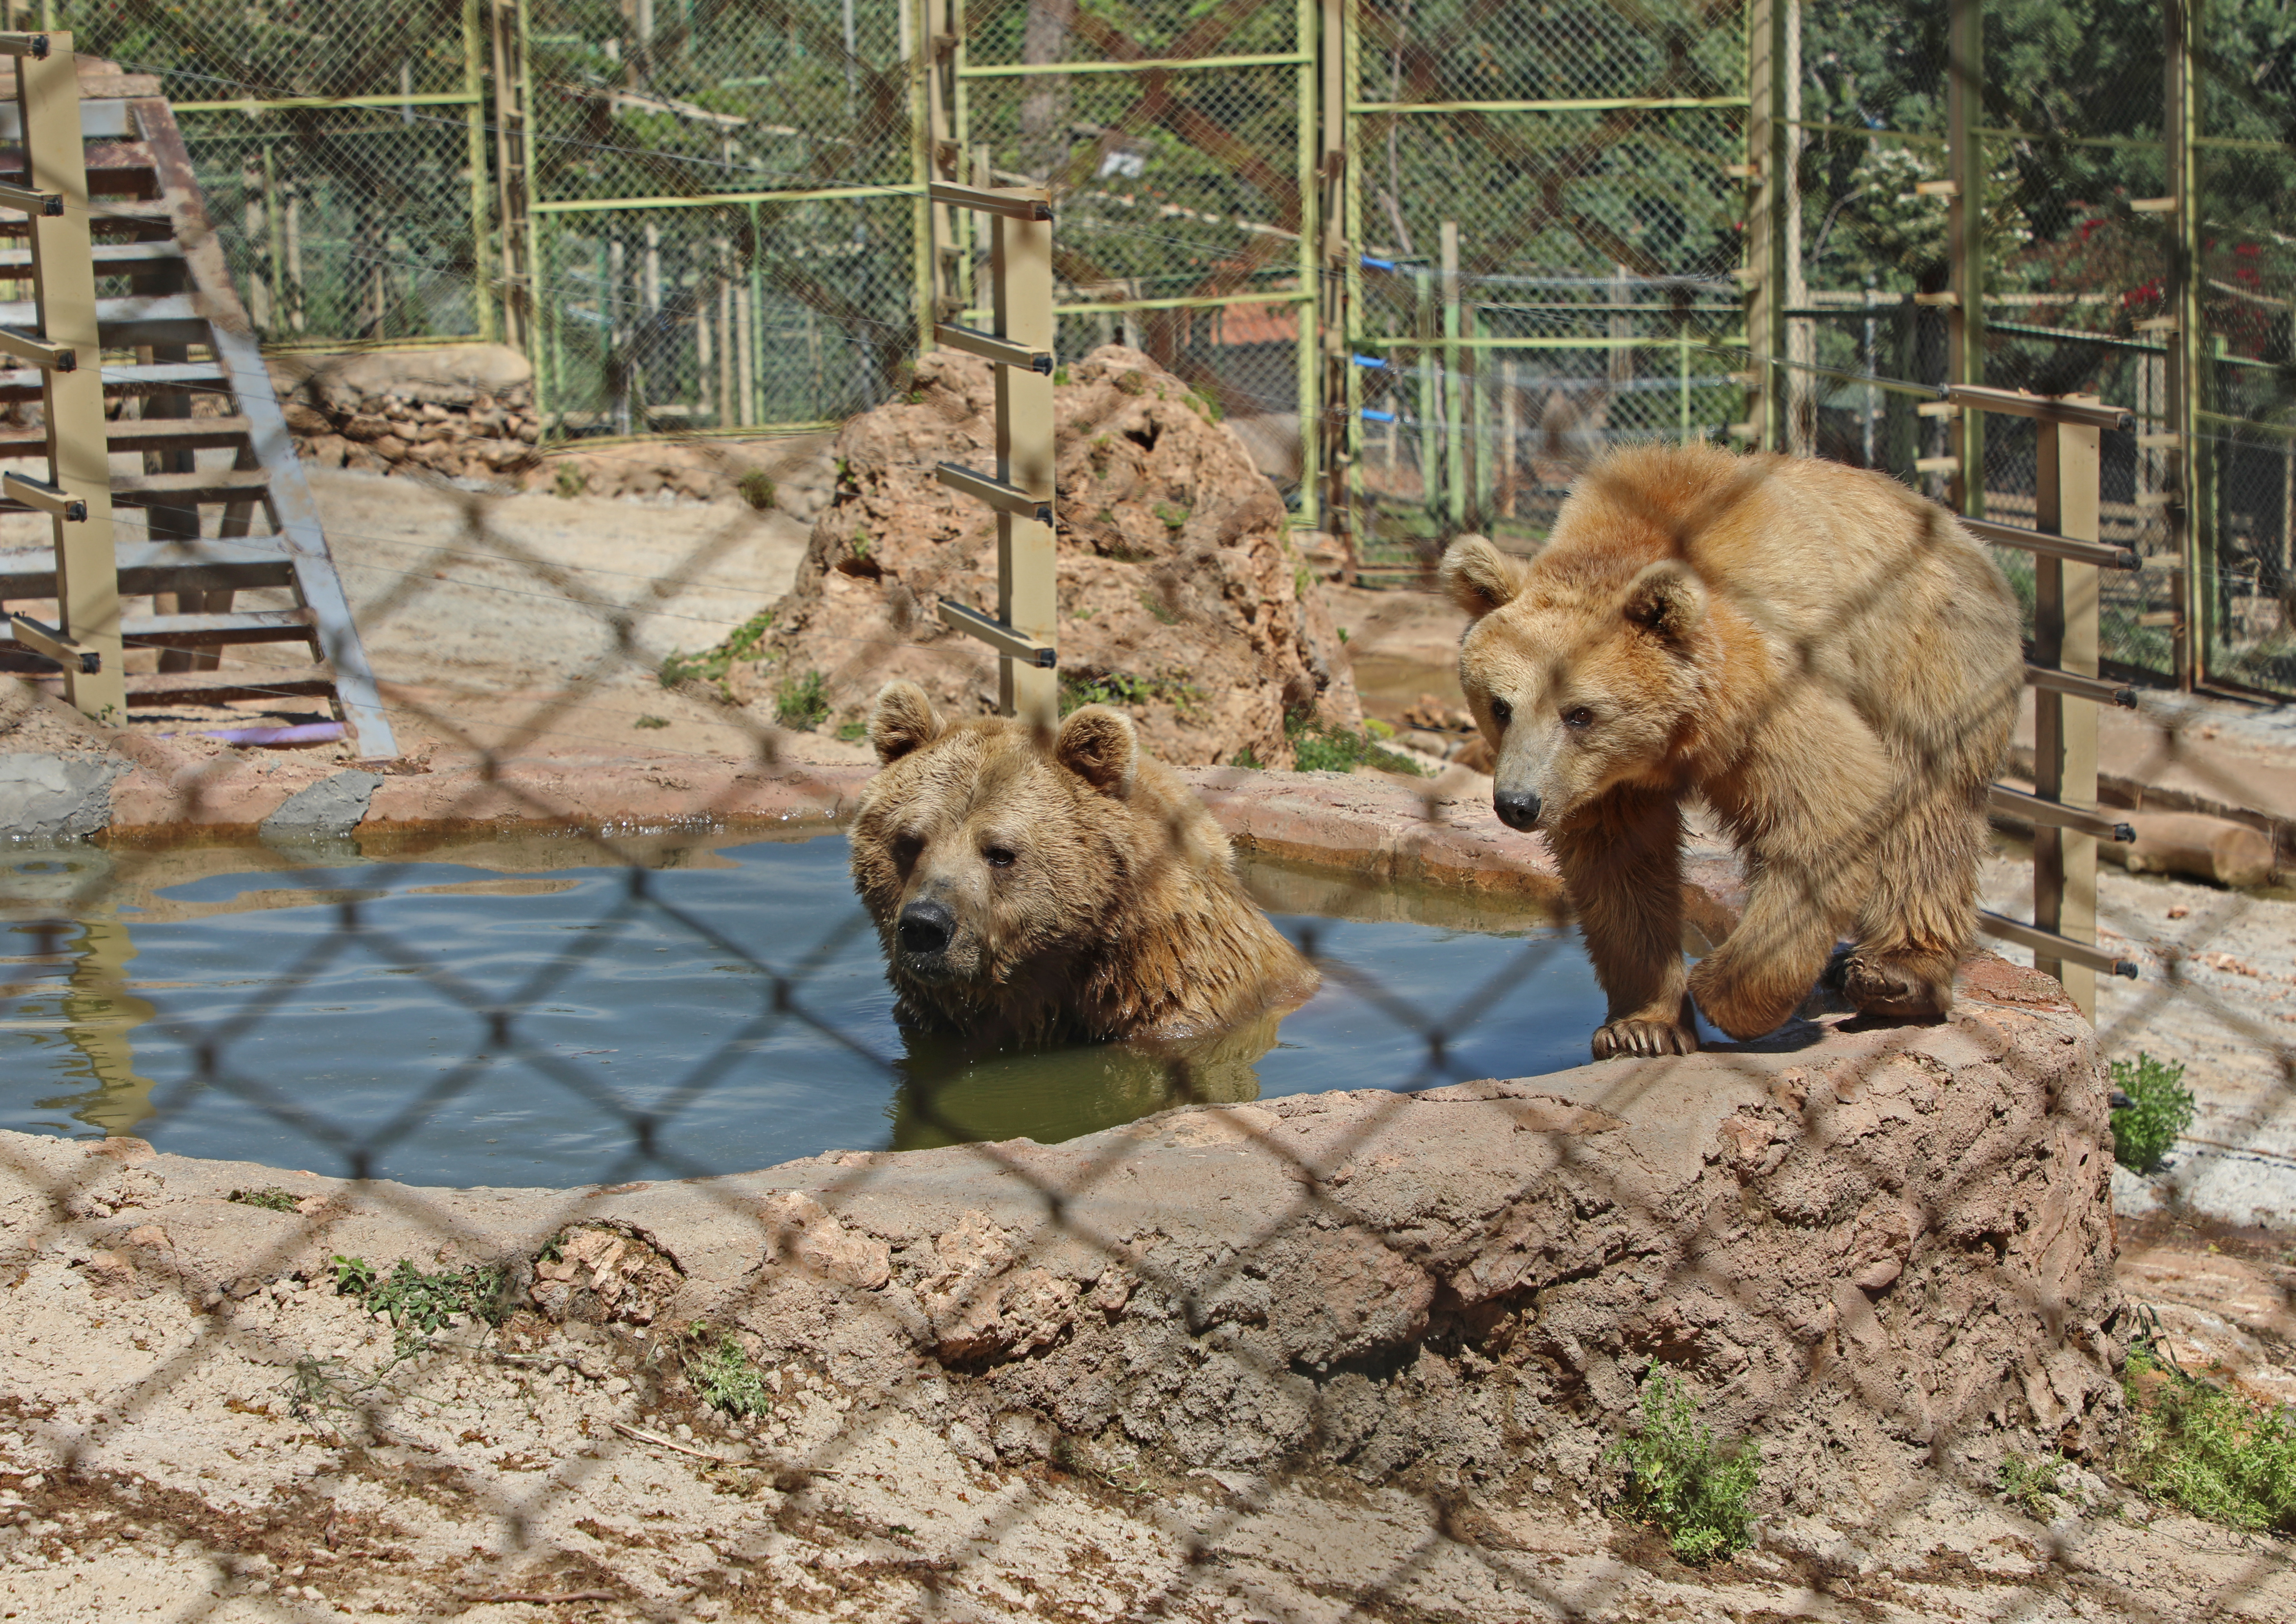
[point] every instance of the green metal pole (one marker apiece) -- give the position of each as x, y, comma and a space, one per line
755, 337
1430, 402
1308, 355
474, 145
1455, 444
921, 171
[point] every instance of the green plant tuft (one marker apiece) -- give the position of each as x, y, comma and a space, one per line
721, 1373
1699, 1495
757, 488
1318, 747
1172, 515
420, 1303
1116, 689
711, 664
2160, 1108
803, 704
853, 733
569, 480
2215, 1454
271, 1199
651, 721
2031, 1485
1246, 756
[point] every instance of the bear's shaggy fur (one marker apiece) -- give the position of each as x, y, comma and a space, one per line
1069, 890
1827, 659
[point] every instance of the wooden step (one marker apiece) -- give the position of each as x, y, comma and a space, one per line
218, 631
115, 169
112, 258
205, 565
23, 383
123, 323
140, 434
178, 489
151, 690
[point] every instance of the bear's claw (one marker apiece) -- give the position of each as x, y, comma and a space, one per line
1634, 1037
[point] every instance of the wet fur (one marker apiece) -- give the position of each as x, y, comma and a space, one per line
1122, 916
1827, 659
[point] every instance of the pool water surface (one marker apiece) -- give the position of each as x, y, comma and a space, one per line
442, 1023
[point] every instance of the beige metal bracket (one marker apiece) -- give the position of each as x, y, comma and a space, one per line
43, 497
47, 640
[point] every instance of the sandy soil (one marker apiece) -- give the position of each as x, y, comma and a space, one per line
274, 1458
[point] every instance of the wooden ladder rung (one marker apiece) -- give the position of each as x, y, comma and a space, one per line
201, 485
204, 565
152, 689
162, 318
110, 257
140, 434
218, 631
22, 383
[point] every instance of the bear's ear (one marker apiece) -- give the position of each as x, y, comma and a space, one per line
1100, 746
1667, 599
903, 721
1479, 577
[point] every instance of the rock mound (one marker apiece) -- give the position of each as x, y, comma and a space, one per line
1181, 592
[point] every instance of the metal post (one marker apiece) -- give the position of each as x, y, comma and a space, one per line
1430, 399
1335, 423
1965, 319
1308, 350
2064, 728
79, 470
1768, 149
474, 149
514, 177
2185, 365
1453, 379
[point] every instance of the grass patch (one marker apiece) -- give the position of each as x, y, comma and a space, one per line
756, 487
1154, 603
803, 704
1318, 747
569, 481
721, 1373
420, 1303
2031, 1485
271, 1199
651, 721
1115, 688
1172, 516
2212, 1453
1247, 757
853, 733
2159, 1107
711, 664
1699, 1494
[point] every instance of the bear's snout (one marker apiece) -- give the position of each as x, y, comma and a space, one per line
925, 930
1517, 808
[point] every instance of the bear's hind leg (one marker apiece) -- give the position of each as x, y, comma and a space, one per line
1918, 918
1622, 861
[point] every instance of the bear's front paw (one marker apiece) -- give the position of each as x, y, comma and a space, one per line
1898, 987
1636, 1037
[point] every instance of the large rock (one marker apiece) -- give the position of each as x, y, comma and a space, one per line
451, 376
1180, 589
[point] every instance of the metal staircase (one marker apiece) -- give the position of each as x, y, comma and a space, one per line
198, 385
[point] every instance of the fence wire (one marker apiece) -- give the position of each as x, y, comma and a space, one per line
403, 1412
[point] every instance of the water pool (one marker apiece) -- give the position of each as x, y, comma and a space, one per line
439, 1022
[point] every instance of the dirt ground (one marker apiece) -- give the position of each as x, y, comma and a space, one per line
273, 1458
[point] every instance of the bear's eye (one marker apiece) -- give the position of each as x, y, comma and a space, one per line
906, 849
1577, 717
999, 856
1502, 712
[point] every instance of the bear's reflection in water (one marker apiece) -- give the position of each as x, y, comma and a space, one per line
952, 1092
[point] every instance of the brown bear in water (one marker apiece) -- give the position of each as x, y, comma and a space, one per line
1073, 891
1825, 658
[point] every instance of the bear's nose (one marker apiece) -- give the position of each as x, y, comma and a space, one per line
1517, 808
925, 928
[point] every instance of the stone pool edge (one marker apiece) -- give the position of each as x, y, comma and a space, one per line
1860, 1237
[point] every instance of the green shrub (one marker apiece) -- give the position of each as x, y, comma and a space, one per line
803, 704
2215, 1454
1120, 690
2160, 1108
1319, 748
756, 487
651, 721
853, 733
722, 1376
711, 664
271, 1199
1699, 1495
420, 1302
2031, 1485
569, 480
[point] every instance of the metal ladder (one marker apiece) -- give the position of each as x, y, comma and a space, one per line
192, 340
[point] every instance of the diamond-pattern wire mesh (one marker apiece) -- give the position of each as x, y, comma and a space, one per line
228, 1065
784, 979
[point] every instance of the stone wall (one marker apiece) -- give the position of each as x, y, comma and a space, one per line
464, 409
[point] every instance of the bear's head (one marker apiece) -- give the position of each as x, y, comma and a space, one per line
993, 862
1581, 671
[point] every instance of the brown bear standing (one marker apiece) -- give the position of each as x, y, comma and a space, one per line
1825, 658
1078, 890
